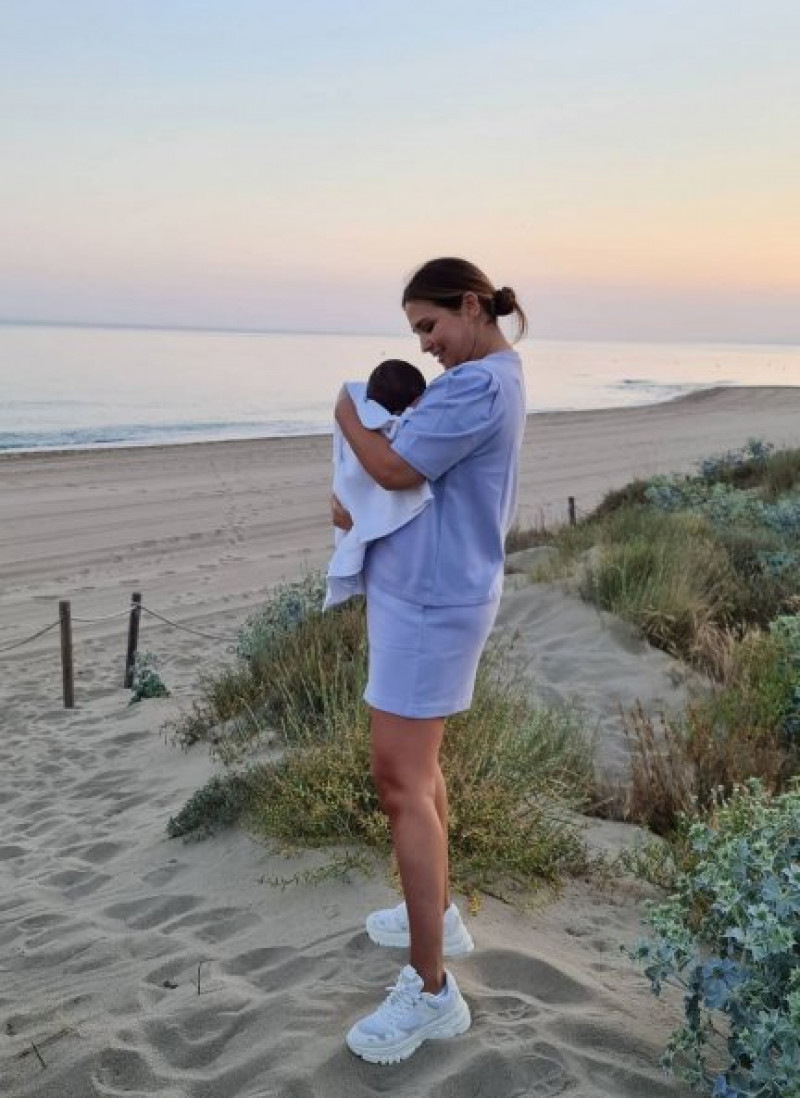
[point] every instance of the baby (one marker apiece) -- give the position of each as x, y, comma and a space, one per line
392, 388
395, 384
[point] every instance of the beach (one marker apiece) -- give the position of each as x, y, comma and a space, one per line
137, 965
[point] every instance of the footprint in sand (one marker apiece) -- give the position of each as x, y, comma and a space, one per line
75, 883
96, 853
124, 1071
163, 874
537, 1072
151, 912
531, 977
217, 924
9, 852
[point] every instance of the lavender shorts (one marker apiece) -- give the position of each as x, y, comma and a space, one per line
423, 659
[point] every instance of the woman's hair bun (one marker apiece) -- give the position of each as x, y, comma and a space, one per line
504, 301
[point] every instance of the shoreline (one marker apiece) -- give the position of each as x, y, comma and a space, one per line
688, 398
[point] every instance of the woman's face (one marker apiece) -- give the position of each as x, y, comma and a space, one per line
450, 336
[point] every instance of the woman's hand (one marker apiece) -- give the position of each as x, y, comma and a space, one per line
340, 517
344, 405
373, 451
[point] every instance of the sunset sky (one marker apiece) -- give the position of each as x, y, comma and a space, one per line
631, 167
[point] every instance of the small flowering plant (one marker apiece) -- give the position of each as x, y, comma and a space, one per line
729, 936
289, 605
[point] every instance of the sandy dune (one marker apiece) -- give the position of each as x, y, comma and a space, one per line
571, 653
104, 922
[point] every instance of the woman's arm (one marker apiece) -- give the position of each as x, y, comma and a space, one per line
373, 450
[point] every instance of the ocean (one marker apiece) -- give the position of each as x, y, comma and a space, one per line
88, 387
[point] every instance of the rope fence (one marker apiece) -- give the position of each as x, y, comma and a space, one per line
132, 613
229, 638
106, 617
27, 640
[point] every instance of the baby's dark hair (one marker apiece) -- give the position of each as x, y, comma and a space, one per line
396, 385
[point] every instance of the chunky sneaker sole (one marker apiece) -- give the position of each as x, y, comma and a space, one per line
389, 927
406, 1019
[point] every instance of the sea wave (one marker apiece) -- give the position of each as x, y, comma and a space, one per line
143, 434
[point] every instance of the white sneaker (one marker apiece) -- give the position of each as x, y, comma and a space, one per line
389, 927
407, 1017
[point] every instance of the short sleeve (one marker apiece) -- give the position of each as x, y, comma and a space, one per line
456, 413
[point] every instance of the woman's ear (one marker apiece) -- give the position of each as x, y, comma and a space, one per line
470, 305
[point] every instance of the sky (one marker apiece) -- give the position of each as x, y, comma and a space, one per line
630, 167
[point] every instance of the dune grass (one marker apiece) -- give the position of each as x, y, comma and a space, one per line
527, 537
516, 773
708, 568
664, 572
688, 558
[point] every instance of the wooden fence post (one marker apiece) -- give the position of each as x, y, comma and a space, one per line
67, 678
571, 510
133, 638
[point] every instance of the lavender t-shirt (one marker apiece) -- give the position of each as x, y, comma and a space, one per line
464, 436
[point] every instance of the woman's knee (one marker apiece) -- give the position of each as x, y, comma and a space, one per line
400, 790
404, 758
389, 782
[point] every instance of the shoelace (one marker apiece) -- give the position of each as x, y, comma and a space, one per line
400, 998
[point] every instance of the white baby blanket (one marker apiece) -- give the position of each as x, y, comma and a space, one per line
375, 511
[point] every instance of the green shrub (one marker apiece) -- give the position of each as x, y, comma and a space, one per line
513, 771
736, 731
288, 606
654, 860
314, 670
756, 465
759, 686
277, 654
768, 577
685, 557
749, 499
512, 774
744, 467
619, 499
319, 793
782, 474
729, 937
663, 572
219, 803
147, 683
229, 694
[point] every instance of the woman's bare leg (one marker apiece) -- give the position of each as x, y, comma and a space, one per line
441, 812
405, 768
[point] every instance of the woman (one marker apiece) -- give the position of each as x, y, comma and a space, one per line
433, 588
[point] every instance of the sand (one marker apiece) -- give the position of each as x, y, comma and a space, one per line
104, 922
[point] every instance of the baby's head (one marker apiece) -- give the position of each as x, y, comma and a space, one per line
396, 385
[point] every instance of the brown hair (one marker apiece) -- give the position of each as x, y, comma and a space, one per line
396, 385
445, 281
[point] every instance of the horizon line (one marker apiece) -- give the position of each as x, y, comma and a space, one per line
122, 325
27, 322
